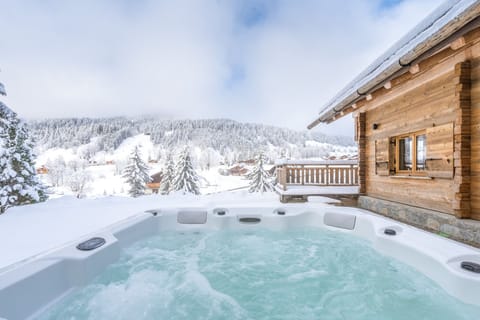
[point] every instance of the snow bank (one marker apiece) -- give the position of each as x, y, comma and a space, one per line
34, 229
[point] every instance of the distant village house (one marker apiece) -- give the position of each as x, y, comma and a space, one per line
154, 185
42, 170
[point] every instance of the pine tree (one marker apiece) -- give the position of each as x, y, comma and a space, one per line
18, 181
168, 175
136, 174
259, 177
186, 178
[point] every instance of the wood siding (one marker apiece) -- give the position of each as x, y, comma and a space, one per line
475, 131
427, 106
442, 99
443, 95
439, 163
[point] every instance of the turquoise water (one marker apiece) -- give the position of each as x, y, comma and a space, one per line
299, 274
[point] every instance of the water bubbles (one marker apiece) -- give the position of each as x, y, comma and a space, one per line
296, 274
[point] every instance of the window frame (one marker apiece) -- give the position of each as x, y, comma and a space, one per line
413, 136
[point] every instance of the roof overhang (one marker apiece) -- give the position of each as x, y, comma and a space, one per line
451, 20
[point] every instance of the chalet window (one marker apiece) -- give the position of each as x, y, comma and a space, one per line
423, 153
410, 155
405, 153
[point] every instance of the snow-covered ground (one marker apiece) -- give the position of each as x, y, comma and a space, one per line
30, 230
104, 168
105, 181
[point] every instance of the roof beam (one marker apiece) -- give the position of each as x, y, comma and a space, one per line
414, 69
458, 43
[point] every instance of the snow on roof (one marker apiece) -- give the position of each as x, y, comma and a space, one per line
2, 89
447, 19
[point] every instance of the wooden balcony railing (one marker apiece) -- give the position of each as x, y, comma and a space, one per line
317, 173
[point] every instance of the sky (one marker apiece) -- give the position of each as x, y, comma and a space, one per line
273, 61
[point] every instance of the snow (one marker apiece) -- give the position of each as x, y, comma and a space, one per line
314, 162
136, 174
147, 148
28, 231
316, 190
259, 177
186, 179
2, 89
54, 153
428, 29
218, 183
105, 182
107, 179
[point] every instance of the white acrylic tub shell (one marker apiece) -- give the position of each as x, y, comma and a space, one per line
29, 288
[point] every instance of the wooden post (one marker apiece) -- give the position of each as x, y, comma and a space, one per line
362, 141
282, 177
327, 175
462, 140
302, 171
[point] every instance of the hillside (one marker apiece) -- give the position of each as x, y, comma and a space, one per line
86, 157
228, 138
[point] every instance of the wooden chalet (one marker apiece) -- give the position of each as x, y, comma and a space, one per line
237, 170
42, 170
417, 124
154, 185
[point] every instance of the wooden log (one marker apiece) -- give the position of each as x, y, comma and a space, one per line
458, 43
414, 69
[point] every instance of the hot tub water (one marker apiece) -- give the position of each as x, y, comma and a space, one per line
295, 274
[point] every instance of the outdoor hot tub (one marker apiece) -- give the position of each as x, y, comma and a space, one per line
293, 262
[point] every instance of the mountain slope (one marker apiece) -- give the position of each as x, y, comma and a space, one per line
222, 135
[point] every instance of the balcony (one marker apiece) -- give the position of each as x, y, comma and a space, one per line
298, 179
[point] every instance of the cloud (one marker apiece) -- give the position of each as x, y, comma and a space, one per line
275, 62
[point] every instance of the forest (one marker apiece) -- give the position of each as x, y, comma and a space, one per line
226, 137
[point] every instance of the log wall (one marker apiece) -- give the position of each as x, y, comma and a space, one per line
444, 93
428, 105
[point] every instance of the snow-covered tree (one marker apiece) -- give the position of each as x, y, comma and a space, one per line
186, 178
77, 164
168, 175
136, 174
78, 181
259, 177
232, 141
56, 171
18, 181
